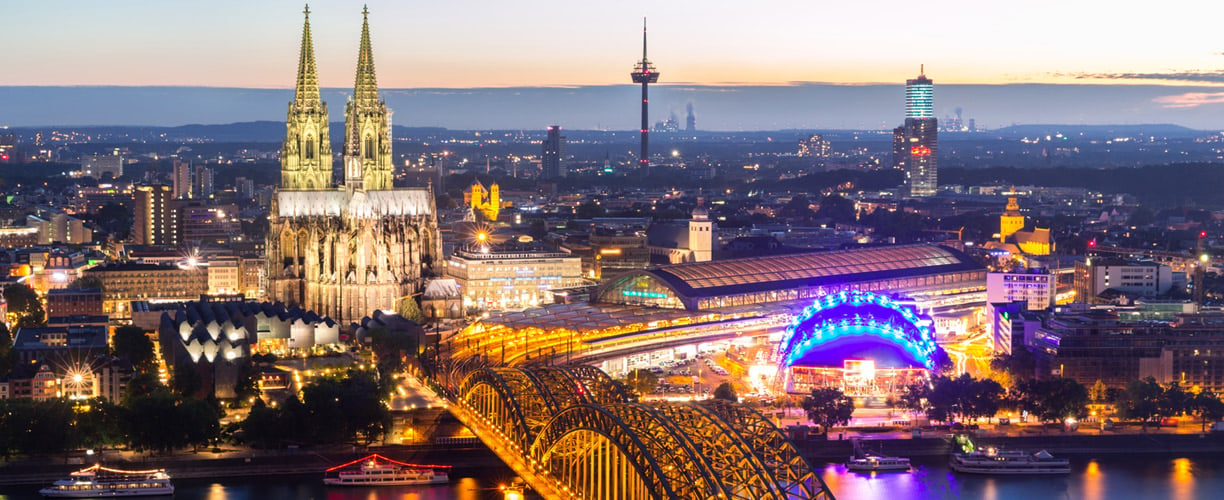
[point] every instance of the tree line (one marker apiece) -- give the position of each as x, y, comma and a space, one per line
331, 410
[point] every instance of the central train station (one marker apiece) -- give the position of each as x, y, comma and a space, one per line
751, 301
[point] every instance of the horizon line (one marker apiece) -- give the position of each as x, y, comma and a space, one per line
1083, 82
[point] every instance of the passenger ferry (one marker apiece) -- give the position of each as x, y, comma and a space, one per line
97, 481
1008, 462
873, 463
377, 470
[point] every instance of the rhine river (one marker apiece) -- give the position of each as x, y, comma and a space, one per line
1109, 478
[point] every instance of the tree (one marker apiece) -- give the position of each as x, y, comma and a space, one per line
1209, 408
262, 426
947, 398
198, 421
1055, 399
410, 310
1141, 216
1141, 399
132, 343
247, 385
984, 398
101, 425
324, 418
915, 397
798, 207
391, 345
186, 380
1175, 401
141, 384
6, 347
1020, 365
24, 301
1099, 392
642, 381
828, 407
725, 392
837, 208
88, 281
365, 415
152, 424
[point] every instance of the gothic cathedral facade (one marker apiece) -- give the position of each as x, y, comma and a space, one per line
346, 250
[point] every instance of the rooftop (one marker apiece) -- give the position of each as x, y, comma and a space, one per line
724, 277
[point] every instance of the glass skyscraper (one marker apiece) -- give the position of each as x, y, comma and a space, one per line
916, 144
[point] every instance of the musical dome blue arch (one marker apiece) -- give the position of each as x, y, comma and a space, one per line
854, 324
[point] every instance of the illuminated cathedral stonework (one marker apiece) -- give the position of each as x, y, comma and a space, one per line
344, 251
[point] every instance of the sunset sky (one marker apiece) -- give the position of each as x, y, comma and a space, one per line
487, 43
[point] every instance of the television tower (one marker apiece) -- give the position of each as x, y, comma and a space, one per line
645, 74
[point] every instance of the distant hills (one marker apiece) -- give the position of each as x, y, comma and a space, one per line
274, 132
1094, 131
804, 106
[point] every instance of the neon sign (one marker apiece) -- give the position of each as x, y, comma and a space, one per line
859, 313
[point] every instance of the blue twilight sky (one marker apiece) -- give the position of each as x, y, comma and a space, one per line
1051, 61
483, 43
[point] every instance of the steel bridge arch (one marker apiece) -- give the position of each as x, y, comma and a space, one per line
782, 461
489, 394
725, 451
527, 390
576, 422
560, 388
599, 388
681, 460
567, 421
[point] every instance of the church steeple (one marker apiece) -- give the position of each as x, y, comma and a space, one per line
365, 91
307, 92
367, 127
306, 155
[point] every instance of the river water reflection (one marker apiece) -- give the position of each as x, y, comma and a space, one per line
1110, 478
1138, 477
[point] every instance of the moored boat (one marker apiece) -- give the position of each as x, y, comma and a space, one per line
873, 463
377, 470
1008, 462
97, 481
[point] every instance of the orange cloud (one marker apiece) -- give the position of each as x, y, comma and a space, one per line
1190, 99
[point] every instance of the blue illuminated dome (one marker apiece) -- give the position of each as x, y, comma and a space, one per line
859, 325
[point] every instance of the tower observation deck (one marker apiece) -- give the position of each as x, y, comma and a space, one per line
645, 74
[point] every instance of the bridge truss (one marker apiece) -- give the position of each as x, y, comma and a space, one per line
575, 433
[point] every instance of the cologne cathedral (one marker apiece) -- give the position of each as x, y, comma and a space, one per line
346, 250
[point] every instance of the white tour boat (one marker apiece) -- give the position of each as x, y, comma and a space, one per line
873, 463
97, 481
377, 470
1008, 462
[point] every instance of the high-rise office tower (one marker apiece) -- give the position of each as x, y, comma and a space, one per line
204, 183
690, 123
916, 144
554, 149
154, 220
645, 74
182, 179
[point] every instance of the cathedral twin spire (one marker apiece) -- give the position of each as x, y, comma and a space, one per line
307, 92
365, 90
306, 158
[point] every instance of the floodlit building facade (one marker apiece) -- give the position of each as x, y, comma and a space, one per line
346, 250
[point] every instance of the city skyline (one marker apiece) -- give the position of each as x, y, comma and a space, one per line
481, 44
